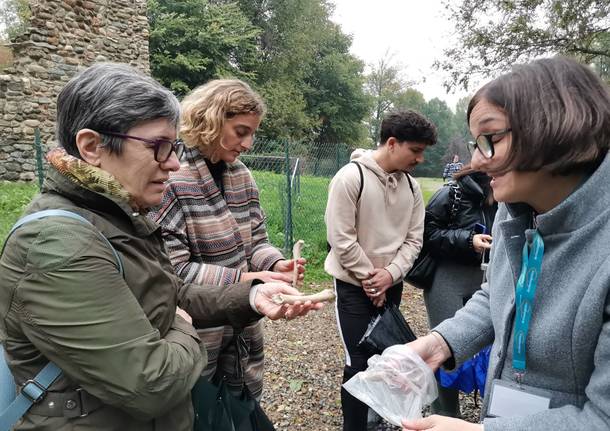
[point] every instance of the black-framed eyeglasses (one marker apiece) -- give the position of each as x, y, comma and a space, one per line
485, 142
162, 147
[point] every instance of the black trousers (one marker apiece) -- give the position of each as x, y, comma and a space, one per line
354, 312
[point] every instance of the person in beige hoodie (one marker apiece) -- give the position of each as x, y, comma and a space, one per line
375, 223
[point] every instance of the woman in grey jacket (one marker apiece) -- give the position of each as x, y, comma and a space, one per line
542, 133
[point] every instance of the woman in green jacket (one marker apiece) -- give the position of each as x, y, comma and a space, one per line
129, 357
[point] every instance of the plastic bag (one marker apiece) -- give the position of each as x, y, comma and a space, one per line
397, 384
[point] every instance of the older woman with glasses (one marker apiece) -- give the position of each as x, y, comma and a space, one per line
542, 135
98, 297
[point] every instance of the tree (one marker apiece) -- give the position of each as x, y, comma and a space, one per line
410, 99
193, 41
334, 89
491, 35
289, 51
383, 83
14, 18
457, 144
312, 84
439, 113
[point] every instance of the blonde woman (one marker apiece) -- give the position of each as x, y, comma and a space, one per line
213, 225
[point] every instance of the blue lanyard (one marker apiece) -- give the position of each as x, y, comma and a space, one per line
525, 294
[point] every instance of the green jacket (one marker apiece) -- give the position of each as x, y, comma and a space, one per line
62, 299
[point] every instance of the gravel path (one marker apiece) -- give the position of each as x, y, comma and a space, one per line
304, 364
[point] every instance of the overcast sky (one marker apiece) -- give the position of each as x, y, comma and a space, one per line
414, 31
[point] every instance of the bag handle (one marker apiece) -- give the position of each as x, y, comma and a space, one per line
32, 392
69, 214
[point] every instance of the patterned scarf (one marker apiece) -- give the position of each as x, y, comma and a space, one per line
88, 176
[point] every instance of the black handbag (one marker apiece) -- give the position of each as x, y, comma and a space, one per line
216, 409
421, 274
387, 329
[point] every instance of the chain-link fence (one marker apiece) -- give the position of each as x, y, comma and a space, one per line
293, 179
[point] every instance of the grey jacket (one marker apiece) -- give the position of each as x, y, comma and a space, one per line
568, 344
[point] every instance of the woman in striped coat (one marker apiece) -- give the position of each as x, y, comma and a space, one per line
213, 225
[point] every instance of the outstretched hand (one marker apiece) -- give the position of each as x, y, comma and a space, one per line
265, 305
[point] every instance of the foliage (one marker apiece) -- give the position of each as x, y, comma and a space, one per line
492, 35
291, 52
14, 18
193, 41
13, 199
439, 113
383, 84
312, 84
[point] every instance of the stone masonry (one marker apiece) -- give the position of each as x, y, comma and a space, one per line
62, 38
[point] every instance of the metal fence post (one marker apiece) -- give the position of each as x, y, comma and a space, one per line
288, 240
38, 150
337, 157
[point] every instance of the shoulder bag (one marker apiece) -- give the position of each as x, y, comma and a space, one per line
421, 274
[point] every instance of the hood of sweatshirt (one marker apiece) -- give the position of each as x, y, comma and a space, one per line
389, 181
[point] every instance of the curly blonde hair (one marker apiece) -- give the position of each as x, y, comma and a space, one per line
207, 107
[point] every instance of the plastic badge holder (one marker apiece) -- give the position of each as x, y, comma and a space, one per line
397, 384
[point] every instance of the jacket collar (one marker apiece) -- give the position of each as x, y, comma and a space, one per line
99, 202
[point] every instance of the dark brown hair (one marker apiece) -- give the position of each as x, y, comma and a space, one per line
407, 125
559, 113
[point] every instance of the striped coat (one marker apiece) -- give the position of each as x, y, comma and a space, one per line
212, 239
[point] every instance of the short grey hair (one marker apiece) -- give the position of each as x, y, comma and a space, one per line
111, 97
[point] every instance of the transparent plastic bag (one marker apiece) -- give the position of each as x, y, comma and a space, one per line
397, 384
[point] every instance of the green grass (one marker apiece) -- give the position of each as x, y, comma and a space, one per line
13, 199
429, 186
308, 213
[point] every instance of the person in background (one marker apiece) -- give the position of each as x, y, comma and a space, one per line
542, 133
458, 218
374, 225
213, 224
452, 168
129, 357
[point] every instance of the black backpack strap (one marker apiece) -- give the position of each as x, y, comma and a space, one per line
361, 179
410, 182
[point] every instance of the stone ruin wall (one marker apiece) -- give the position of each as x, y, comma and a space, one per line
62, 38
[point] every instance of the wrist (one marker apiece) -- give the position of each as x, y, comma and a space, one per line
274, 266
441, 345
252, 297
470, 240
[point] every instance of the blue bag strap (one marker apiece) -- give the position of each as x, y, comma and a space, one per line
34, 390
69, 214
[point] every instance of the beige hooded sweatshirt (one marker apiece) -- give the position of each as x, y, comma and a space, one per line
384, 229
